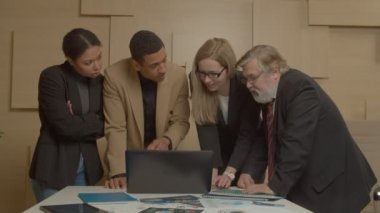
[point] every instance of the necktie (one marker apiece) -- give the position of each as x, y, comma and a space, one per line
269, 122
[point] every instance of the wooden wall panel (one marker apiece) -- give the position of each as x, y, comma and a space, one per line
235, 25
109, 7
354, 69
372, 109
17, 13
12, 187
34, 50
283, 24
121, 31
5, 67
344, 12
187, 31
353, 109
31, 54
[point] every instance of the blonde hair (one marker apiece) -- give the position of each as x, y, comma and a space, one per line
268, 58
205, 104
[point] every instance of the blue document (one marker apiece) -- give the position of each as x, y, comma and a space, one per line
106, 197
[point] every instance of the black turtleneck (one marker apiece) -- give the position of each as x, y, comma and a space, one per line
149, 93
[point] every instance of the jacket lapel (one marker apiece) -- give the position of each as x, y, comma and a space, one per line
162, 105
73, 92
135, 95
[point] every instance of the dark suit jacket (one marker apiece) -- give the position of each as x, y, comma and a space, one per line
318, 164
243, 119
64, 136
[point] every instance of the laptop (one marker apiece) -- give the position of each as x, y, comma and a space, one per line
186, 172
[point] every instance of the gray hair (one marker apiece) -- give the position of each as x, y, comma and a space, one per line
268, 58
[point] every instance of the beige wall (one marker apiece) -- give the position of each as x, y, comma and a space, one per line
342, 52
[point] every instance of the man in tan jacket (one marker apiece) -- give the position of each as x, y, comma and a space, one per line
145, 104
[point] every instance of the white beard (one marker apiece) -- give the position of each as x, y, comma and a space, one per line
265, 96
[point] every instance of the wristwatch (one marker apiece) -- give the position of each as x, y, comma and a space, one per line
230, 175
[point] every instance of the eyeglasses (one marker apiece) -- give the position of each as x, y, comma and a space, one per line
250, 78
210, 75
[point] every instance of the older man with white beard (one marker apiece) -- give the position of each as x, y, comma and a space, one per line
311, 157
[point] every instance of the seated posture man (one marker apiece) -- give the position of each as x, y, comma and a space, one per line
145, 104
312, 158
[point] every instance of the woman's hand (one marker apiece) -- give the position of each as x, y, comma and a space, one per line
226, 179
70, 107
245, 180
258, 188
223, 182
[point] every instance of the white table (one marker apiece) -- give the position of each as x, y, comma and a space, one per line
70, 195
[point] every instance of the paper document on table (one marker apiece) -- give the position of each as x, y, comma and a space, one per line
169, 210
238, 194
250, 210
243, 206
183, 199
216, 203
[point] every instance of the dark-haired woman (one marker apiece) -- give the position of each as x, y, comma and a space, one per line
71, 115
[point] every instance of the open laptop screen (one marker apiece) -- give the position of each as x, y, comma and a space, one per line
168, 171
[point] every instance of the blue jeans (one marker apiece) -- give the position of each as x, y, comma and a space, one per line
41, 191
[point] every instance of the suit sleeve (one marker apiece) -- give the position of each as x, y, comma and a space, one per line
248, 149
256, 161
295, 138
209, 140
115, 127
53, 107
179, 115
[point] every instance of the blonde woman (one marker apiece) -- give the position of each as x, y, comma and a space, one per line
224, 111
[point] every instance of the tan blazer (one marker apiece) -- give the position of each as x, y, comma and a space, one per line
124, 113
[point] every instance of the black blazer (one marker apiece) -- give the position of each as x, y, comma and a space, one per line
317, 163
243, 120
64, 136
